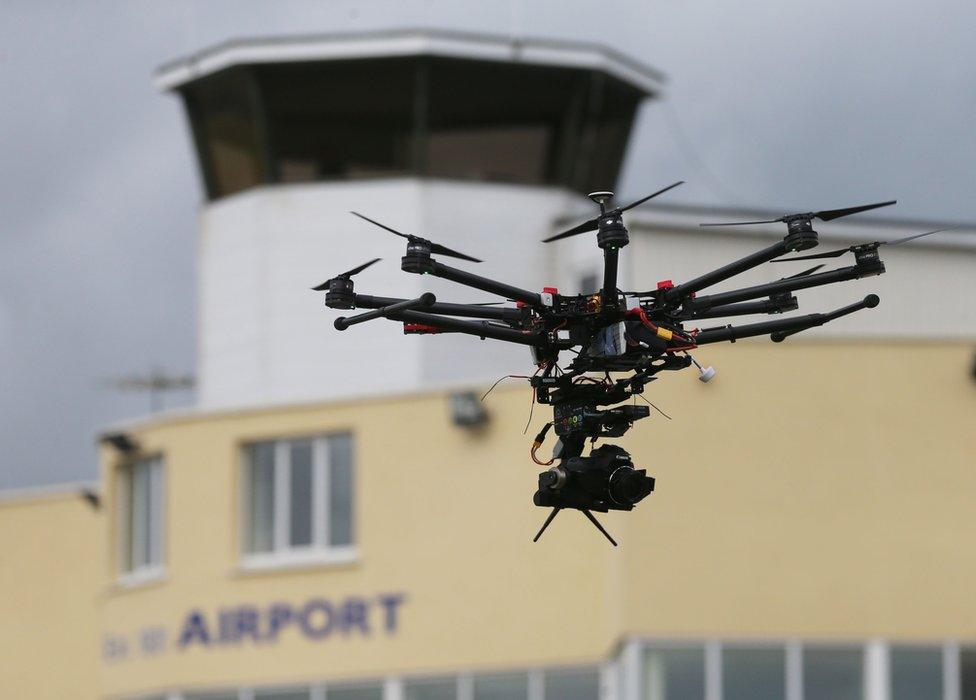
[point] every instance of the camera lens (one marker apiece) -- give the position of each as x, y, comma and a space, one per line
627, 486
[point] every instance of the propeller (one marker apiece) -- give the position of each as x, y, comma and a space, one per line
863, 246
435, 248
825, 215
804, 273
347, 274
594, 223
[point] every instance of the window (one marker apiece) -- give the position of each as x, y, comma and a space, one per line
916, 672
967, 673
298, 500
281, 694
507, 686
674, 674
753, 674
141, 521
355, 692
572, 684
833, 673
430, 689
226, 129
426, 116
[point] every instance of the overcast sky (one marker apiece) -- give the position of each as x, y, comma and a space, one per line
793, 104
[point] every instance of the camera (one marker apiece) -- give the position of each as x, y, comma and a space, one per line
604, 480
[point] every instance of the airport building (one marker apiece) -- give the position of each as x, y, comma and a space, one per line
340, 517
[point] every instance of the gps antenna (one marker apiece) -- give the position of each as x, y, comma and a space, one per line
705, 374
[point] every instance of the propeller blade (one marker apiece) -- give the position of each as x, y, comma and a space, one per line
357, 270
434, 247
348, 274
841, 251
816, 256
804, 273
917, 235
439, 249
650, 196
743, 223
831, 214
593, 224
377, 223
825, 215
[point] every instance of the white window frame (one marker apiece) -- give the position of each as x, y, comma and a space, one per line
155, 568
283, 554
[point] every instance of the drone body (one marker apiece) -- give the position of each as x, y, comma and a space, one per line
637, 334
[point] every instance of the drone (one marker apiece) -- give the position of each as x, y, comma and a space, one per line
619, 340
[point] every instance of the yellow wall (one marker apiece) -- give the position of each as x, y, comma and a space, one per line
50, 566
813, 489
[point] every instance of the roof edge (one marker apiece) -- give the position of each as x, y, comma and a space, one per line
408, 42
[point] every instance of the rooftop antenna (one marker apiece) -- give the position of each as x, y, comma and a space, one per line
156, 383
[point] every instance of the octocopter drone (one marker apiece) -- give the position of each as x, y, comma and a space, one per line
636, 334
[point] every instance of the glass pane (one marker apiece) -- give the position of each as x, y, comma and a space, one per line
367, 133
222, 113
430, 689
290, 694
139, 515
354, 692
260, 507
300, 490
509, 686
916, 672
832, 674
967, 673
753, 674
500, 153
573, 684
155, 516
212, 695
674, 674
340, 490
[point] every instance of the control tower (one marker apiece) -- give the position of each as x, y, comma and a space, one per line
477, 142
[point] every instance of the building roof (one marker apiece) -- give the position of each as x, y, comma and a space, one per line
408, 42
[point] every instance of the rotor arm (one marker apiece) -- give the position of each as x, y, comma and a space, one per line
774, 305
781, 328
610, 262
790, 284
482, 329
485, 284
366, 301
680, 292
424, 300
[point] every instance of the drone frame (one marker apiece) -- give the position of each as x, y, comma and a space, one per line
550, 323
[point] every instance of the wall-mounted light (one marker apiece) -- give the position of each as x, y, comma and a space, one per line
93, 498
121, 441
467, 410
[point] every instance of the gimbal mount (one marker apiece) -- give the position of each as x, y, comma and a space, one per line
636, 334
